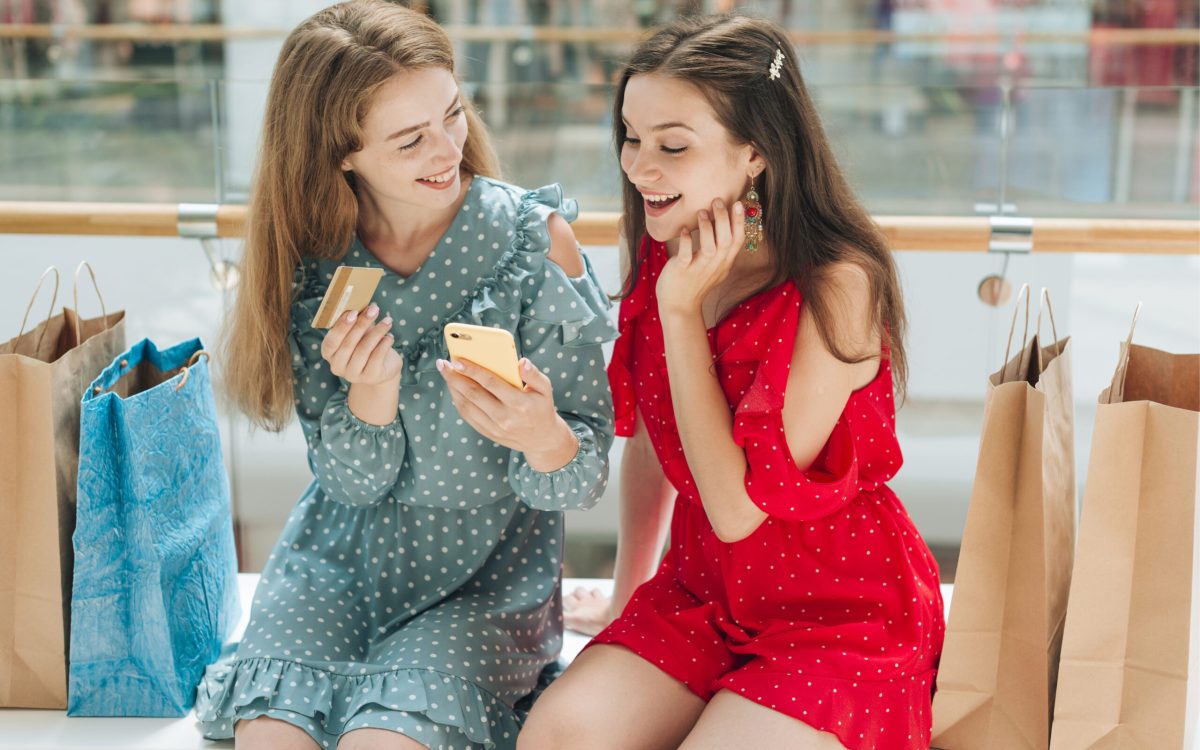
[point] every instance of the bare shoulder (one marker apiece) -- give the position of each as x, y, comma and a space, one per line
851, 306
849, 287
820, 383
564, 248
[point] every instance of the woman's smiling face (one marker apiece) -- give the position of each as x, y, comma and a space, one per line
413, 137
678, 154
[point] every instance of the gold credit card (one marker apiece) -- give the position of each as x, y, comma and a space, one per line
351, 289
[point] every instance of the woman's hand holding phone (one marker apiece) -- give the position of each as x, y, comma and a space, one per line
521, 419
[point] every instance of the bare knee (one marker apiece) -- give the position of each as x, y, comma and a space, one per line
550, 726
378, 739
611, 698
265, 733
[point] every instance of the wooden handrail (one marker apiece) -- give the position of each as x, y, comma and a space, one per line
931, 233
161, 33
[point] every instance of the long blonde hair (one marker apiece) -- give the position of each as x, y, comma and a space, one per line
302, 204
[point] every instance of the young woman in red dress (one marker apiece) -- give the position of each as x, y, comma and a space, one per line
761, 342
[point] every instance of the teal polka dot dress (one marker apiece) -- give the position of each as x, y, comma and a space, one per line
416, 585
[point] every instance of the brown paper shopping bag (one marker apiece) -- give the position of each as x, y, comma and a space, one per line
1130, 674
43, 373
996, 679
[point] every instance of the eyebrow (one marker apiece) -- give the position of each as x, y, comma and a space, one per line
662, 126
415, 128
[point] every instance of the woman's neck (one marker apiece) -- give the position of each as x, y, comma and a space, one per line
400, 234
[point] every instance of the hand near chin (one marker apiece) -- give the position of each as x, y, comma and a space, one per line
705, 256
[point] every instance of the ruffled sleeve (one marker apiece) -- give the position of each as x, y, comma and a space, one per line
563, 324
620, 367
518, 290
354, 462
773, 480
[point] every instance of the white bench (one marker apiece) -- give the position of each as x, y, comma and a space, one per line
53, 730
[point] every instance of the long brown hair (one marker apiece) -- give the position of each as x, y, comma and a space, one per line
302, 204
811, 217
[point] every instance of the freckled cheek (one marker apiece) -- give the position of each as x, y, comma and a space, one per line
395, 173
379, 168
400, 168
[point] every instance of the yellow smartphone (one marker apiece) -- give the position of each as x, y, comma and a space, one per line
350, 289
491, 348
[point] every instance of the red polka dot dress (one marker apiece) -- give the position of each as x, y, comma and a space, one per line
830, 611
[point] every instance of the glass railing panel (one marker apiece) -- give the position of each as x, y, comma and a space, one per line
143, 141
1104, 152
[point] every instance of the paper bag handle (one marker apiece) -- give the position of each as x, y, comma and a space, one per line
187, 368
1044, 303
1118, 380
1013, 328
29, 307
75, 296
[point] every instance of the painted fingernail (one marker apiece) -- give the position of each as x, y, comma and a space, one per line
352, 316
373, 310
441, 366
719, 205
387, 321
737, 208
457, 366
704, 216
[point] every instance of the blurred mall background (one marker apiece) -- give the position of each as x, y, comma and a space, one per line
1072, 113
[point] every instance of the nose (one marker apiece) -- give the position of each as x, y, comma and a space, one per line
447, 149
639, 166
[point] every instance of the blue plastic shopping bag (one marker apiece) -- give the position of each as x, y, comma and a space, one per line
155, 589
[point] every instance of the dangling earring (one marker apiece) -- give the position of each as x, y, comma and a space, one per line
753, 212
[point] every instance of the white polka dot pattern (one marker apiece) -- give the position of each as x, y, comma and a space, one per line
829, 612
416, 583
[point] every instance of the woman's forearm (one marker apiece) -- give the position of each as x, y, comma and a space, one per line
647, 499
706, 429
375, 404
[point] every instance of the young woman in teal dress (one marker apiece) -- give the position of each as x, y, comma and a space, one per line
413, 599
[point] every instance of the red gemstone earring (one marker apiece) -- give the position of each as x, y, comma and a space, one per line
753, 219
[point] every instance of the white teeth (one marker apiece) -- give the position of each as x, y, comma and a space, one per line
660, 199
443, 177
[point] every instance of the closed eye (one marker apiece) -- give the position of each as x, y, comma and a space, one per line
664, 149
417, 141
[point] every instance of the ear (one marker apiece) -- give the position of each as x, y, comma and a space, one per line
346, 166
755, 164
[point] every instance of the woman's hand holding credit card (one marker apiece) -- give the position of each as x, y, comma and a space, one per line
358, 346
350, 289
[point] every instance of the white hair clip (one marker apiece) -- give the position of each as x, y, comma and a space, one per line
777, 65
